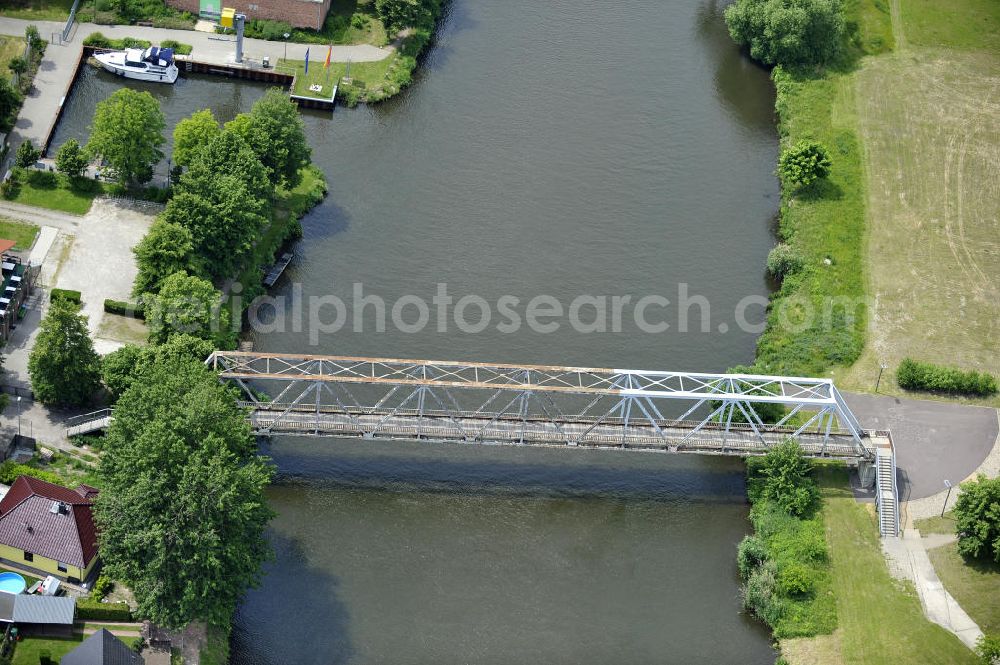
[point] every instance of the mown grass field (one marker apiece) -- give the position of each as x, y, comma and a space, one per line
929, 119
10, 48
880, 619
366, 74
61, 196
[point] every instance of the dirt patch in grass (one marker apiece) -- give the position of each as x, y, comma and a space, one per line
930, 124
819, 650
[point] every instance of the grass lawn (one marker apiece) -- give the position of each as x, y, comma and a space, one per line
364, 74
932, 148
20, 232
61, 197
880, 619
37, 10
337, 29
30, 650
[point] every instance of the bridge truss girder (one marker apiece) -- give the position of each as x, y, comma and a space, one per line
549, 405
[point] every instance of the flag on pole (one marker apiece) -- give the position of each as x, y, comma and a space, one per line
307, 61
329, 52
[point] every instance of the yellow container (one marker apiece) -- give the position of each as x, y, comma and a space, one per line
228, 14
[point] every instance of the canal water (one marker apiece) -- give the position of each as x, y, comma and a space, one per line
545, 149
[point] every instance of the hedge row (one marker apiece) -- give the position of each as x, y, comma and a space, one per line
913, 375
10, 470
98, 40
124, 308
66, 294
94, 610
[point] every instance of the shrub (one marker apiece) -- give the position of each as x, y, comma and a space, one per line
760, 595
123, 308
178, 47
787, 32
913, 375
750, 554
988, 649
10, 188
66, 294
782, 260
98, 40
266, 29
804, 163
978, 519
795, 579
359, 21
782, 476
102, 587
90, 610
10, 470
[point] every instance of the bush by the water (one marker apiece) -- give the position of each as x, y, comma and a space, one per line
804, 163
782, 260
784, 565
793, 33
913, 375
978, 519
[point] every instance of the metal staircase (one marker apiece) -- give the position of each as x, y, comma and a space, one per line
886, 498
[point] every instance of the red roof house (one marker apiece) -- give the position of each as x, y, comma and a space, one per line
49, 528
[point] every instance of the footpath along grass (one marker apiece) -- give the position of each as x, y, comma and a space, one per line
929, 123
880, 619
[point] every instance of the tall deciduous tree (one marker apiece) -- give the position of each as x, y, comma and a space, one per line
275, 132
978, 518
227, 154
182, 510
189, 305
192, 134
63, 365
26, 154
787, 32
71, 159
127, 133
10, 102
122, 367
166, 249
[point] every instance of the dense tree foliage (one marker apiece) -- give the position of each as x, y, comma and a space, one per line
63, 365
189, 305
182, 509
399, 14
71, 159
121, 368
127, 133
804, 163
10, 102
275, 132
978, 518
192, 134
167, 248
27, 154
782, 477
787, 32
227, 154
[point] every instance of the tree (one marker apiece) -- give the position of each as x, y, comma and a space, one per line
18, 65
275, 132
978, 518
71, 159
804, 163
166, 249
192, 134
182, 510
229, 154
27, 154
127, 134
398, 14
63, 365
32, 37
190, 305
988, 649
122, 367
787, 32
10, 102
782, 476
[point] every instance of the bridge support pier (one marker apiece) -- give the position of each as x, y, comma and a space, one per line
866, 473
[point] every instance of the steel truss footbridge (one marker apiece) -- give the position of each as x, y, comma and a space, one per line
544, 405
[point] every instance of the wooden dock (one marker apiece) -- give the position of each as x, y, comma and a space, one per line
279, 267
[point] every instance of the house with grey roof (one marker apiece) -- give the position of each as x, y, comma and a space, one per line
102, 648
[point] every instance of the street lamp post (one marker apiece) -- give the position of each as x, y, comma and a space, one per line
881, 368
286, 35
19, 415
947, 484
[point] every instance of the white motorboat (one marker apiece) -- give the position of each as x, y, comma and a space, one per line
154, 64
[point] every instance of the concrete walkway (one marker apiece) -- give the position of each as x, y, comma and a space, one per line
907, 558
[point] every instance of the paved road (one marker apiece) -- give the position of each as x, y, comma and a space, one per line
935, 441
